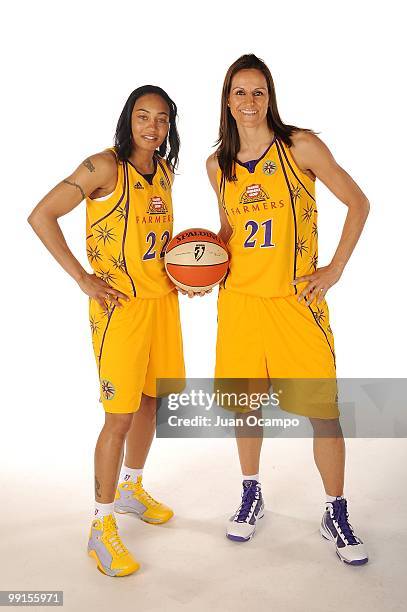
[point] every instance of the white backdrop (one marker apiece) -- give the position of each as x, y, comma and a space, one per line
68, 68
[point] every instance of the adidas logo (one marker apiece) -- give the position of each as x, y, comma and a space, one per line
138, 185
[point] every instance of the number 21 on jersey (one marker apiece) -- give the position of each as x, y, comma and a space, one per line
265, 234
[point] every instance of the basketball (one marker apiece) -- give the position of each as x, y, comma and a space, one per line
196, 259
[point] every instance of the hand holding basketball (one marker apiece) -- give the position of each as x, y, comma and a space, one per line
191, 293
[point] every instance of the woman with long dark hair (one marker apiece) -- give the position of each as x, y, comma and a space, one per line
133, 306
273, 319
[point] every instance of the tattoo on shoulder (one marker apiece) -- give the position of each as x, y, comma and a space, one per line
97, 488
88, 164
75, 185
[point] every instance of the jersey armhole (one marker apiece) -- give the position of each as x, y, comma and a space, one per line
118, 181
293, 163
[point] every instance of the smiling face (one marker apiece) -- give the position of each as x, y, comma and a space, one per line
249, 98
150, 122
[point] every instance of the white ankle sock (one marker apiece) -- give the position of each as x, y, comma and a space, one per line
330, 498
130, 474
102, 510
252, 477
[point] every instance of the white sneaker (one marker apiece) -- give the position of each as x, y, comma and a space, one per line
336, 528
242, 525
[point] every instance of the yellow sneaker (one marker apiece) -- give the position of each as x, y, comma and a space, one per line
106, 547
131, 497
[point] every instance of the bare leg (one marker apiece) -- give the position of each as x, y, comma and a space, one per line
141, 433
249, 448
109, 454
329, 454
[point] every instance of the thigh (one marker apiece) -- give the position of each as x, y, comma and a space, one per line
240, 370
240, 351
166, 370
301, 356
121, 343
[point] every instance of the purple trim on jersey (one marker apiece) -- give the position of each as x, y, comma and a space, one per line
114, 208
151, 176
293, 211
103, 339
293, 171
251, 165
323, 331
164, 172
126, 180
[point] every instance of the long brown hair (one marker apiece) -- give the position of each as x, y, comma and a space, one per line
229, 141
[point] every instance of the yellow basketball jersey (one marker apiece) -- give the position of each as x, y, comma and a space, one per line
127, 233
271, 208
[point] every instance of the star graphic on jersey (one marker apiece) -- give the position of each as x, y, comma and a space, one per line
107, 276
118, 263
295, 192
314, 261
107, 311
307, 212
314, 230
104, 233
122, 213
94, 325
269, 167
94, 254
319, 315
301, 246
108, 389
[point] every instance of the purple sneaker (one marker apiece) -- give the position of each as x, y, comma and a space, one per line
336, 528
242, 525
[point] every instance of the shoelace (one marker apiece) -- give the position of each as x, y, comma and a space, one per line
341, 516
113, 537
142, 494
250, 494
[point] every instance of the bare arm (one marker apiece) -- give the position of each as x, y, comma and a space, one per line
92, 174
310, 153
225, 228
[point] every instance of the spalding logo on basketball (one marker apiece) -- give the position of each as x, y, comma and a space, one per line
196, 259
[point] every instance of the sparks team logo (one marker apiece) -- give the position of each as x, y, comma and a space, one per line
163, 184
108, 389
269, 167
253, 193
199, 251
157, 206
138, 185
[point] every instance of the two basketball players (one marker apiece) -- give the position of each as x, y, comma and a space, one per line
133, 308
273, 319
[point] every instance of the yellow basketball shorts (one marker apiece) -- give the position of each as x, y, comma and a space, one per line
134, 346
261, 340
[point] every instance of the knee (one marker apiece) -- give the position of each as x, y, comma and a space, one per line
148, 406
118, 424
327, 428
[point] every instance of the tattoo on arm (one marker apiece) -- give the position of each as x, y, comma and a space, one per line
88, 164
97, 488
75, 185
